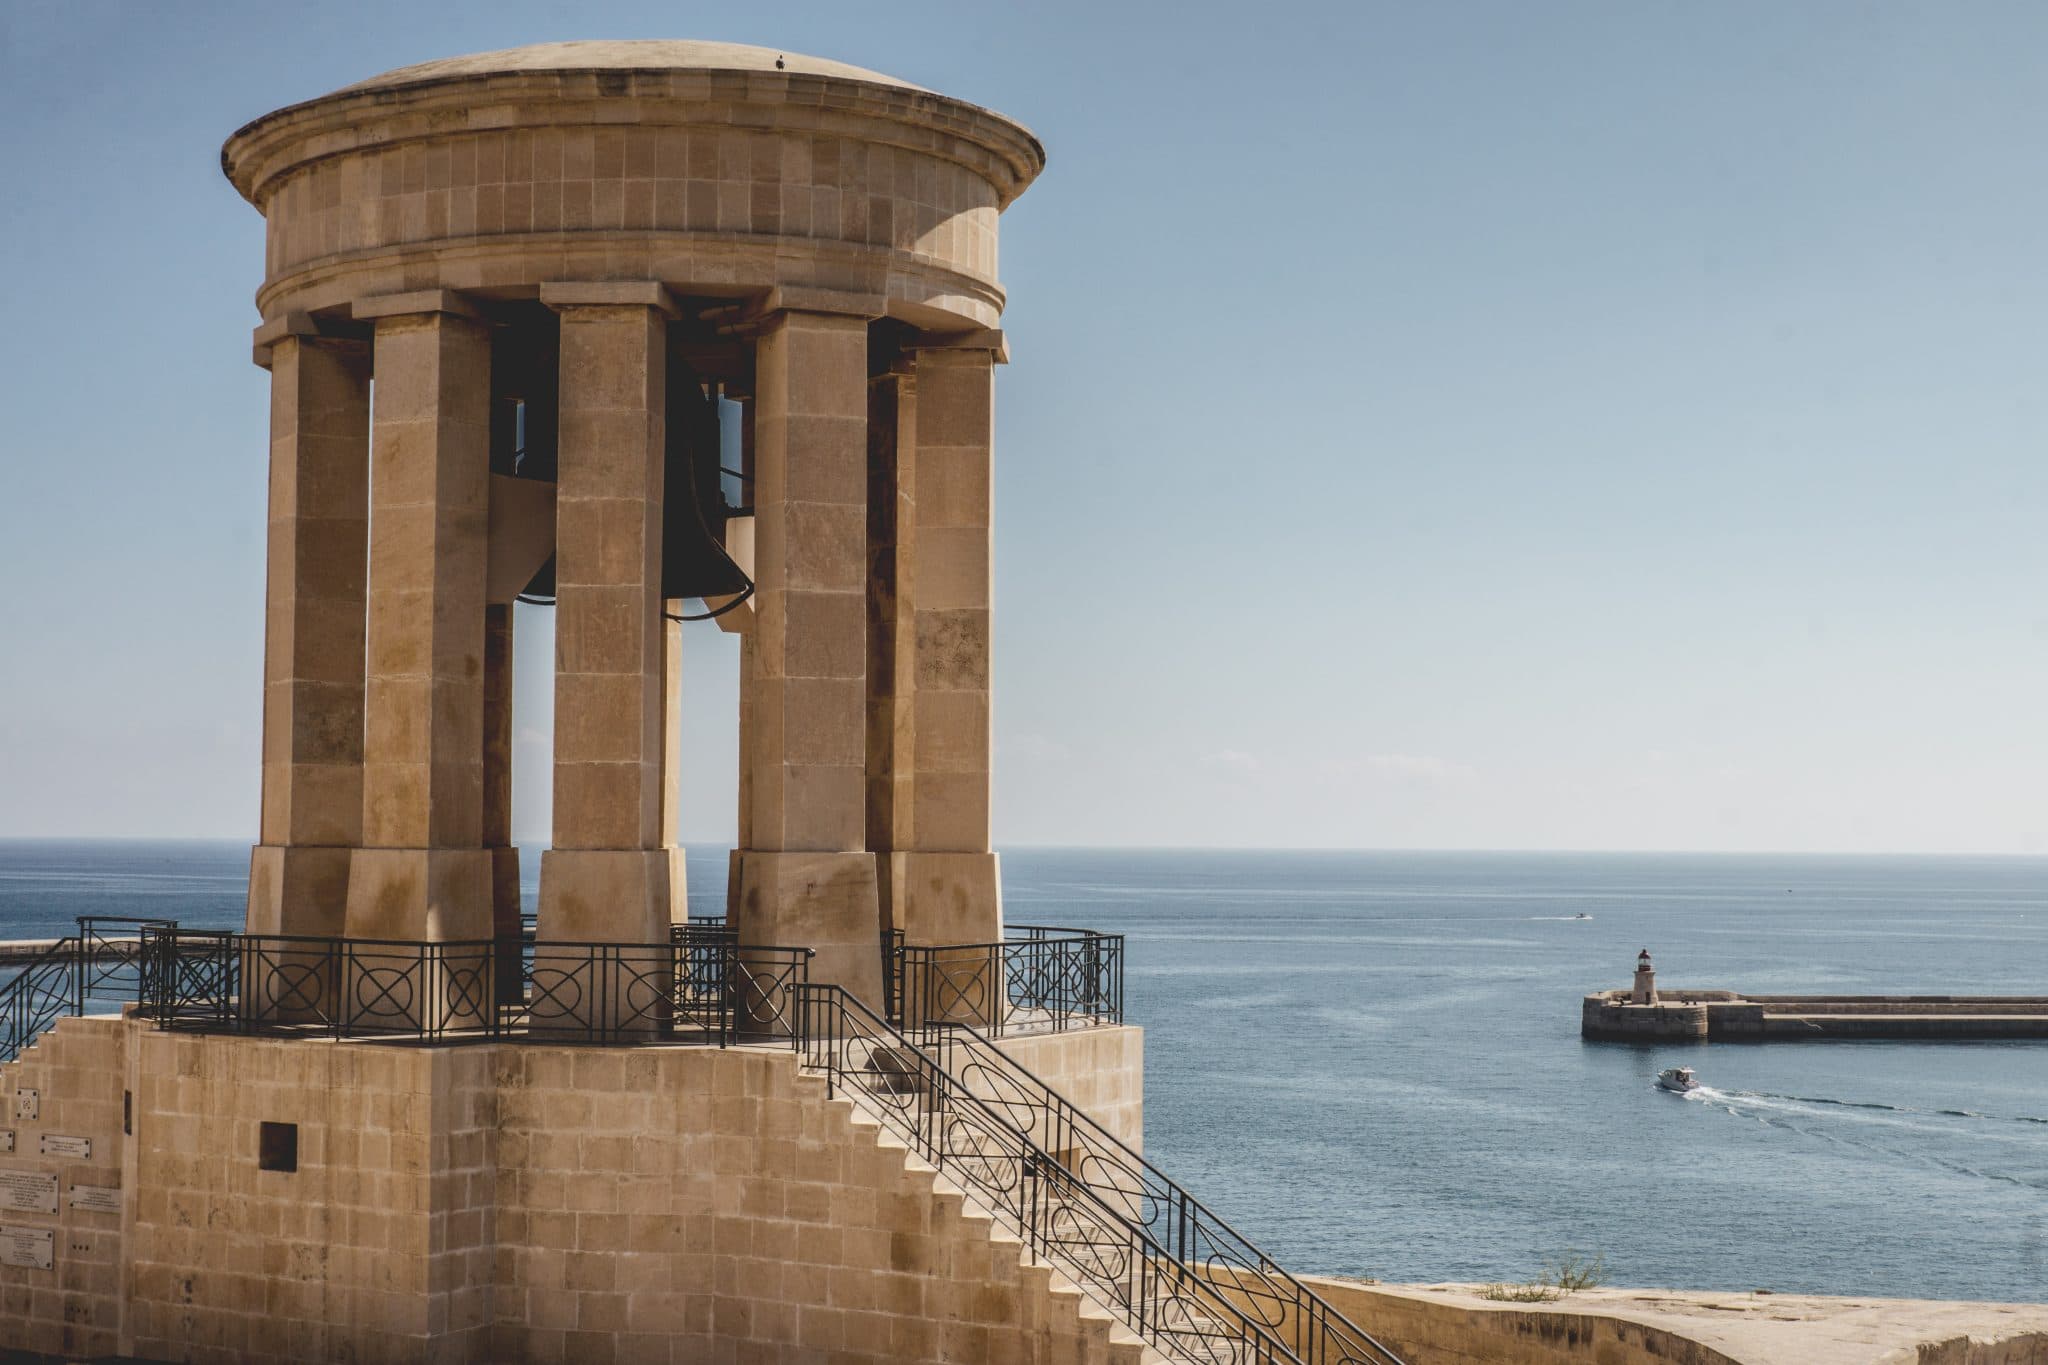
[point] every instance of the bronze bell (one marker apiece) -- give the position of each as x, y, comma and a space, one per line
524, 446
694, 510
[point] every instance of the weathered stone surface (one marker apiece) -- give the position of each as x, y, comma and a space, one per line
1450, 1324
507, 1202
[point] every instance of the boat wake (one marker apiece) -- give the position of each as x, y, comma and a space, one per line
1767, 1099
1872, 1128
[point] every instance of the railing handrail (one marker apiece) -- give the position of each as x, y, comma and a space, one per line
1041, 979
1213, 1302
20, 1021
1078, 1117
56, 947
437, 943
498, 989
1042, 930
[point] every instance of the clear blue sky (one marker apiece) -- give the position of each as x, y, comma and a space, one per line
1596, 426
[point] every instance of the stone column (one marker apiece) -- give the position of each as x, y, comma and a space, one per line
806, 877
735, 870
607, 877
946, 881
497, 776
422, 874
312, 815
672, 762
892, 508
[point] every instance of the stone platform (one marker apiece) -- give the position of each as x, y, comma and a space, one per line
215, 1198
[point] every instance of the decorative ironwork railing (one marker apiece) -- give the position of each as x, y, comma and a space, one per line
1089, 1234
98, 963
42, 991
110, 955
1041, 979
696, 927
1298, 1317
704, 989
709, 929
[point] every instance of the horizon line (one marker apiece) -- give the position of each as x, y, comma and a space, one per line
1467, 849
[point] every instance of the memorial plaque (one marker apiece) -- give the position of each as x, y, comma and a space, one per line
28, 1104
6, 1140
28, 1192
96, 1198
35, 1248
75, 1148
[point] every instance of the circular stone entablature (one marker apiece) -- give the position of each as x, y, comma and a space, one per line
719, 170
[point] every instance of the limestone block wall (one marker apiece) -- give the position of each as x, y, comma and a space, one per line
714, 1206
76, 1074
1102, 1070
379, 1240
504, 1203
1424, 1332
711, 178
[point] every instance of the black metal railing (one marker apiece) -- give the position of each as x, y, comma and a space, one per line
1040, 979
99, 963
1091, 1235
697, 926
707, 930
702, 990
110, 955
1160, 1207
41, 992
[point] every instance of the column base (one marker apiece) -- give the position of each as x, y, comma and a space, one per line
294, 890
407, 896
827, 901
298, 889
939, 898
944, 902
419, 893
606, 895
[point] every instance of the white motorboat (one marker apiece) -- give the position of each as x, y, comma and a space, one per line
1679, 1078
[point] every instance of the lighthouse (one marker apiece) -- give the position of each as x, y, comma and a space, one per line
1645, 991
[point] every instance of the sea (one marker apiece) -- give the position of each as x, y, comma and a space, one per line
1370, 1063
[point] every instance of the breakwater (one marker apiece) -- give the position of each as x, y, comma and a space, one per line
1732, 1017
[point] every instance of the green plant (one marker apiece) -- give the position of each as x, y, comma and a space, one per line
1533, 1292
1564, 1272
1572, 1270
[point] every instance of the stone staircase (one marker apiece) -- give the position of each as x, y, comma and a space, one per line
1133, 1243
1104, 1336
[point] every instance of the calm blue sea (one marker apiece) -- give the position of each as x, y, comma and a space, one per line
1370, 1062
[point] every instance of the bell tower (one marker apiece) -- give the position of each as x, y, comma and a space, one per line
518, 308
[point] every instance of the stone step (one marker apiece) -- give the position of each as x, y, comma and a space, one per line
1118, 1344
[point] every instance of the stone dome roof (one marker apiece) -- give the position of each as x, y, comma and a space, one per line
609, 80
636, 54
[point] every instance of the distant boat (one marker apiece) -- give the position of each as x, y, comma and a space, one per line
1582, 915
1679, 1078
